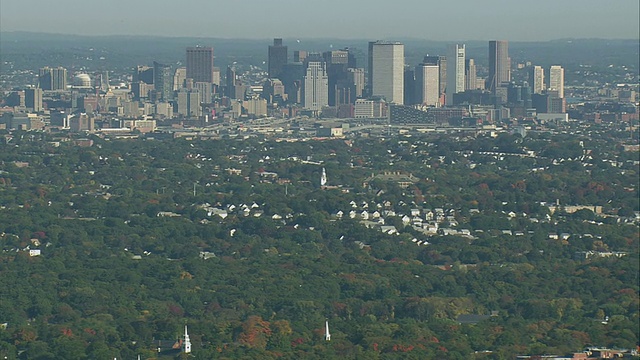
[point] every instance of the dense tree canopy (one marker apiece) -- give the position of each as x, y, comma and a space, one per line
122, 226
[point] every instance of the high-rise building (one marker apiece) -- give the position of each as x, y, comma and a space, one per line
441, 61
33, 99
189, 103
536, 79
200, 64
357, 78
470, 76
206, 91
52, 78
556, 80
316, 86
273, 91
215, 77
277, 58
337, 63
427, 84
293, 79
143, 74
455, 71
409, 91
179, 77
499, 64
386, 70
230, 82
299, 56
162, 81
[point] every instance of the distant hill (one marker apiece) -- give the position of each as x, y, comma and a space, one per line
128, 51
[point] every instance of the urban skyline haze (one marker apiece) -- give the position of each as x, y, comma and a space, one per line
254, 19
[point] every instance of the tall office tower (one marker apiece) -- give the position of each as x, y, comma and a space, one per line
215, 77
441, 61
499, 64
337, 63
189, 103
316, 86
470, 75
409, 91
16, 98
206, 91
556, 80
336, 57
357, 78
179, 77
386, 70
293, 79
33, 99
142, 83
536, 79
299, 56
455, 71
277, 58
200, 64
233, 85
143, 74
428, 84
273, 91
230, 83
52, 78
163, 81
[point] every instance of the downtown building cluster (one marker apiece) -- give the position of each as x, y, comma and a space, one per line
328, 84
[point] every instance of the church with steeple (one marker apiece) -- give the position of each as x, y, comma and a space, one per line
186, 342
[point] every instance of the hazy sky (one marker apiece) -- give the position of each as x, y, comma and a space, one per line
371, 19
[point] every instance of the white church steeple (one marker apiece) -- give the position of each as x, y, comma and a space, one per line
327, 335
186, 344
323, 178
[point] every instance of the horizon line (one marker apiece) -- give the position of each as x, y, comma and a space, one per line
302, 38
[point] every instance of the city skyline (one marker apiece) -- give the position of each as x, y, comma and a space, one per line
569, 19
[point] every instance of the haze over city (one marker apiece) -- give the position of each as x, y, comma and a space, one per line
319, 180
251, 19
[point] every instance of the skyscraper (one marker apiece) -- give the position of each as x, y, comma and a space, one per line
337, 62
316, 86
277, 58
52, 78
441, 61
179, 77
189, 103
556, 80
427, 84
200, 64
536, 79
409, 92
499, 64
357, 78
33, 99
470, 75
230, 83
455, 71
162, 81
386, 70
143, 74
299, 55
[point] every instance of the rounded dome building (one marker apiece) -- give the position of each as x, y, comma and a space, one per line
82, 80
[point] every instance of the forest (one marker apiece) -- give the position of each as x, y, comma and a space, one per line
111, 247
